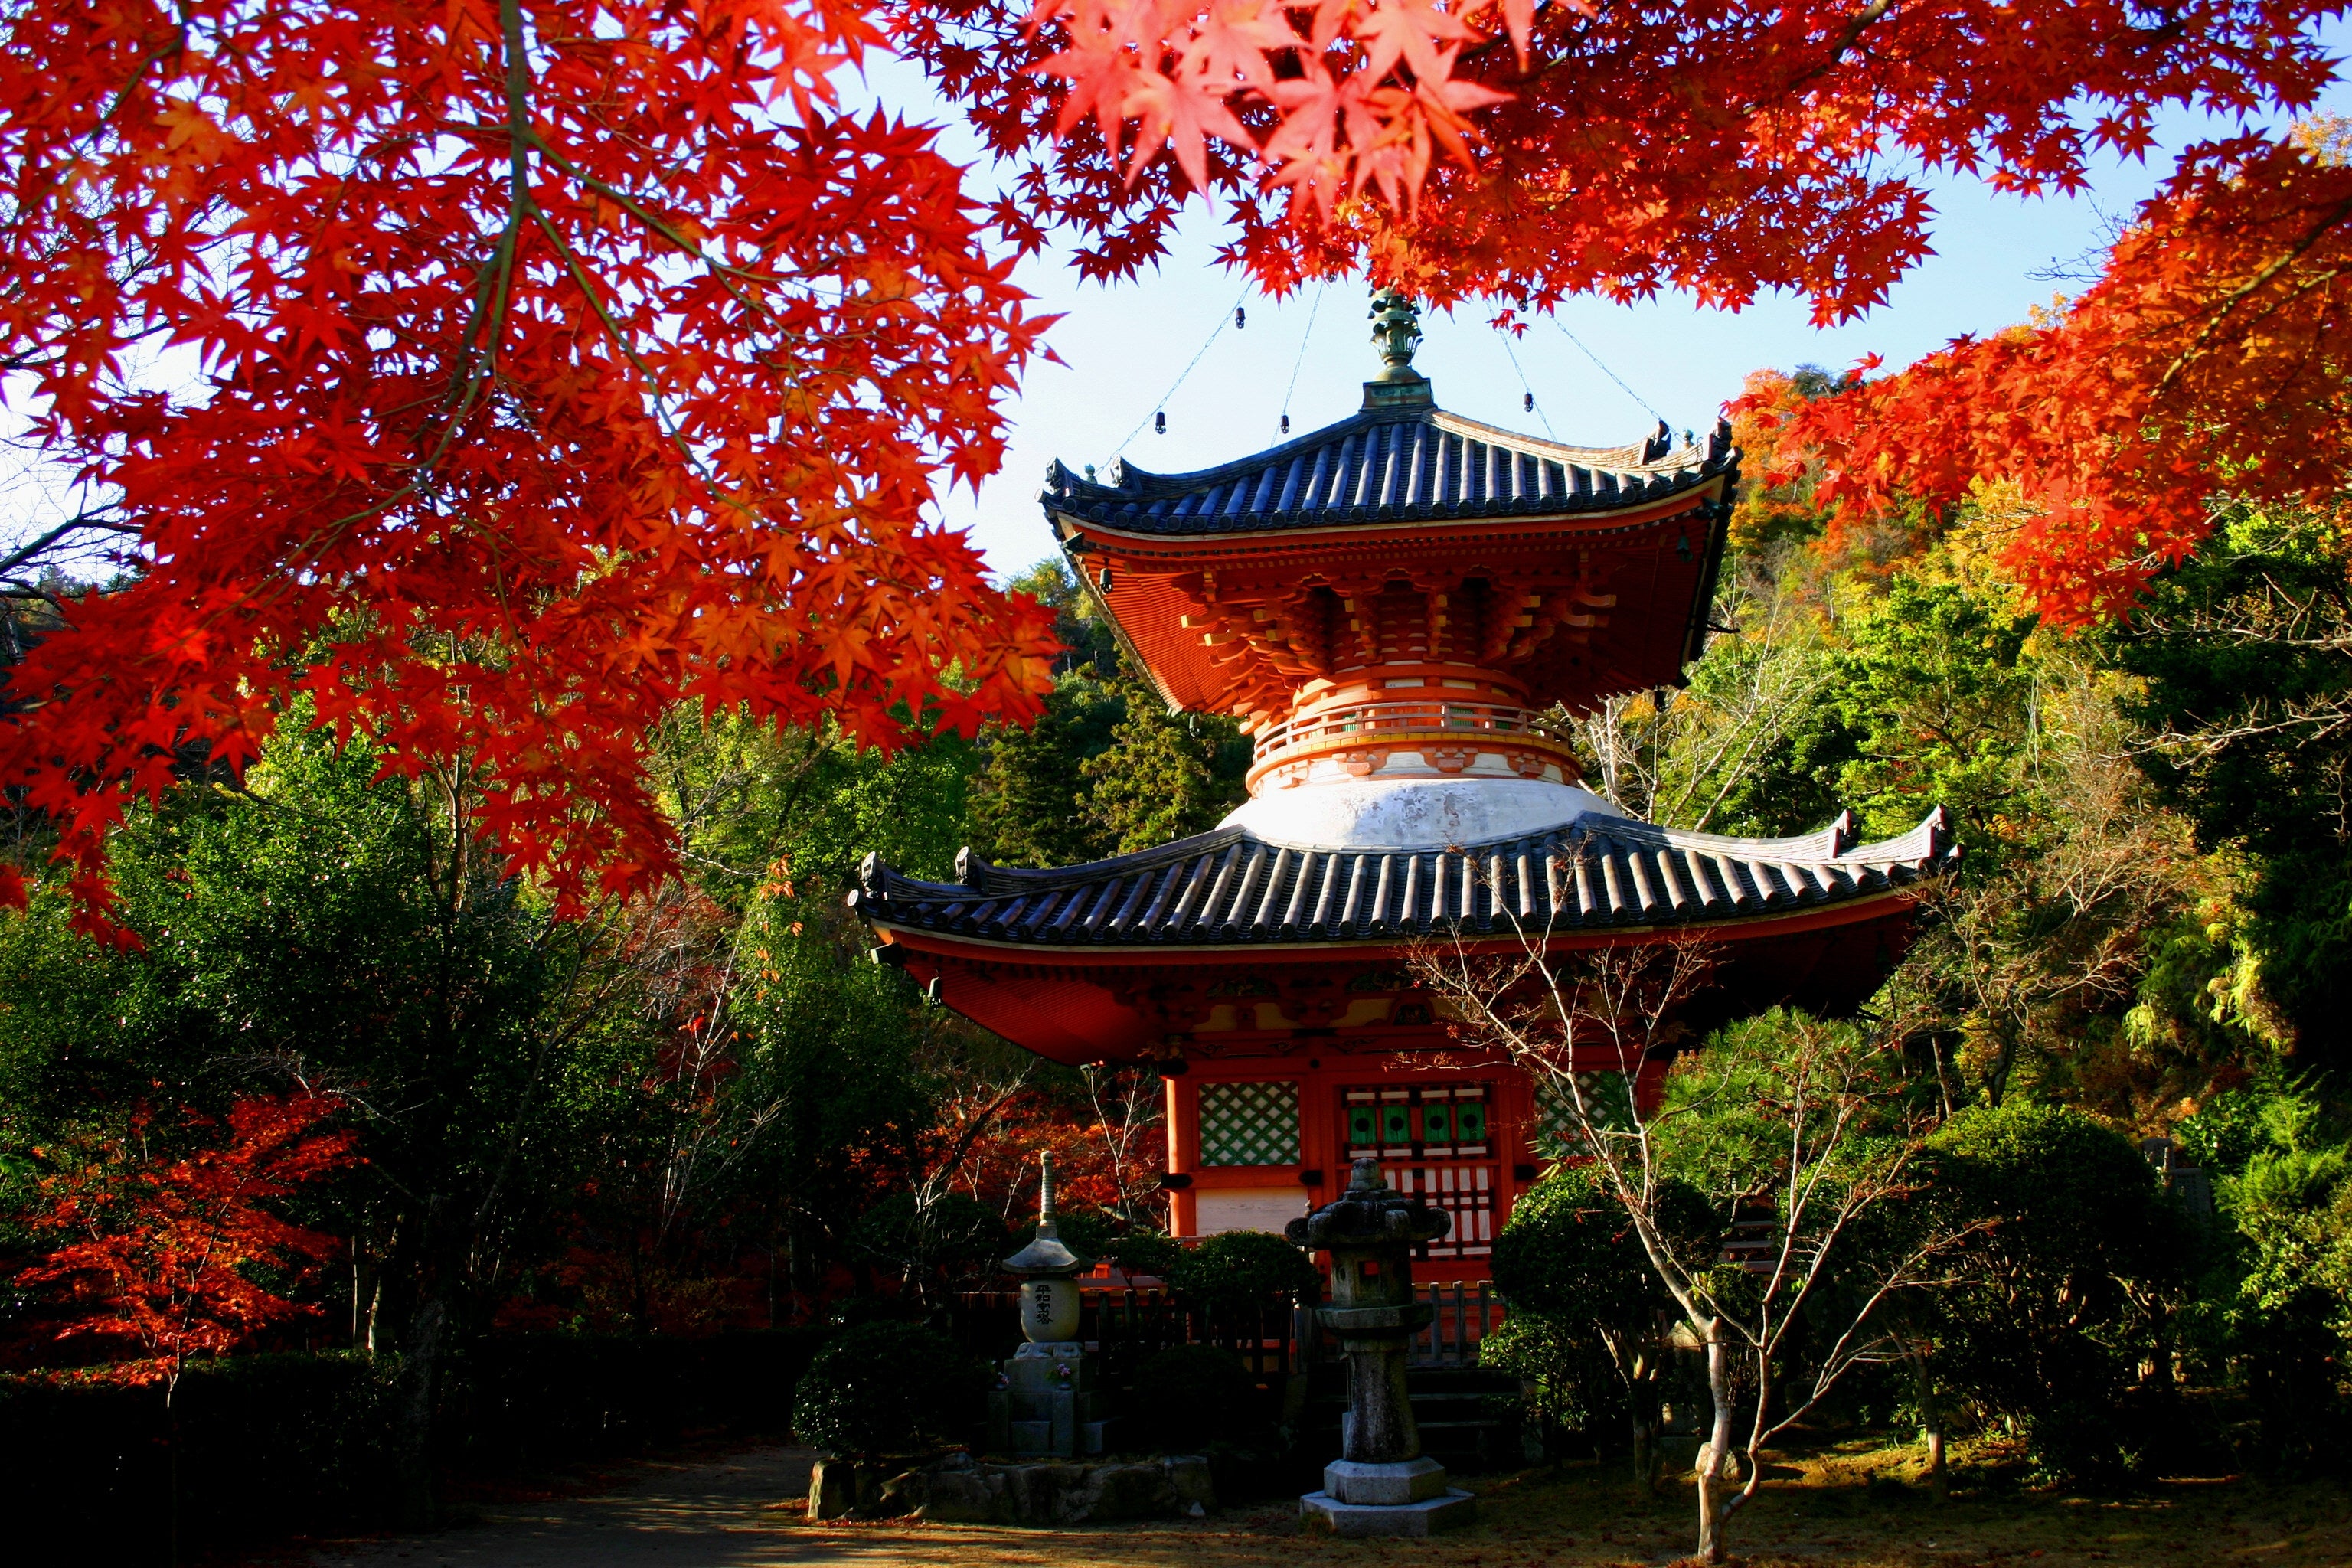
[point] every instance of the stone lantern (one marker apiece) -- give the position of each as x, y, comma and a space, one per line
1047, 1402
1382, 1484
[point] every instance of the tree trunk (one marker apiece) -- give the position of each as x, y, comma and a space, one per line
420, 1377
1931, 1419
172, 1469
1646, 1455
1715, 1489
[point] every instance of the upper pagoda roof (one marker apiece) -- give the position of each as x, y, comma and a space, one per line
1229, 887
1403, 464
1406, 546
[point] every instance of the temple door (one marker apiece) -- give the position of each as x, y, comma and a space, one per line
1440, 1143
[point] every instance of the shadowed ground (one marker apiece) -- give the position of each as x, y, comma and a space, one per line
744, 1510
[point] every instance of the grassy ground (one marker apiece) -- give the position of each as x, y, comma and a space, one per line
1855, 1507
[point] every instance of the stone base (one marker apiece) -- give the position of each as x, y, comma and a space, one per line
1384, 1485
1047, 1405
1321, 1511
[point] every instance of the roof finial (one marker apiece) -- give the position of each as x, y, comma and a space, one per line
1396, 328
1046, 1224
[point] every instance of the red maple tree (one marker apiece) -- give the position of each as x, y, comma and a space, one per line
1608, 146
2208, 356
496, 375
157, 1253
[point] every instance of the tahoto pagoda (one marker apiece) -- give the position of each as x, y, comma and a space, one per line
1390, 605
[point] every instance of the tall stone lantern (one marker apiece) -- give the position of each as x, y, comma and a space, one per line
1047, 1402
1382, 1484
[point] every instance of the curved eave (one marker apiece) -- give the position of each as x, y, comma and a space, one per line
1421, 528
1662, 574
1592, 882
1884, 904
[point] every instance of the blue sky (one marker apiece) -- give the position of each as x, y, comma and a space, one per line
1126, 345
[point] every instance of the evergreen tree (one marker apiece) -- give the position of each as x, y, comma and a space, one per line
1108, 769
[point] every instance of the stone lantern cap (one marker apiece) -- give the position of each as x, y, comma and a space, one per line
1369, 1214
1046, 1257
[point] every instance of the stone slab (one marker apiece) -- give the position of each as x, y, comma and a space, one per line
1358, 1521
1384, 1485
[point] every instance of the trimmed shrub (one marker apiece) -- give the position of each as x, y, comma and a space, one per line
1190, 1396
2056, 1301
889, 1388
1243, 1269
1149, 1252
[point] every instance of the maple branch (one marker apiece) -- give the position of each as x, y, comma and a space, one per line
725, 271
2230, 301
88, 519
1860, 23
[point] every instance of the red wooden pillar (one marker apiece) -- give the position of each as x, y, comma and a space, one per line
1183, 1153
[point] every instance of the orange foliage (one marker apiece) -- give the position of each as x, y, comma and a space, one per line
1107, 1159
1617, 146
2207, 357
530, 367
160, 1251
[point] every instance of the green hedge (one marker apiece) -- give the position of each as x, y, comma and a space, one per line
273, 1445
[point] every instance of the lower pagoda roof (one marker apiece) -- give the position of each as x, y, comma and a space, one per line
1232, 887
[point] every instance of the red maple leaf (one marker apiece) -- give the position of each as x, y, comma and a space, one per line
158, 1251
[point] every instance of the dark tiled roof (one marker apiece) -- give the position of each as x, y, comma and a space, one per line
1228, 886
1387, 464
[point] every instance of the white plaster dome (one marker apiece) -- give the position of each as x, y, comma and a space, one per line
1414, 813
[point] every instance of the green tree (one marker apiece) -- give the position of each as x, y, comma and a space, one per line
1107, 769
328, 928
1589, 1315
750, 799
2243, 656
1164, 776
2065, 1283
1027, 799
1937, 686
2278, 1296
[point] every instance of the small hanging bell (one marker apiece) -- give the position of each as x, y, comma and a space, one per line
1159, 422
1529, 404
1241, 318
1285, 424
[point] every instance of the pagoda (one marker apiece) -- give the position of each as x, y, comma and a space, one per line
1391, 606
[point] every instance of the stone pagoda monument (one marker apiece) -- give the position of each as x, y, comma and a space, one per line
1382, 1484
1047, 1402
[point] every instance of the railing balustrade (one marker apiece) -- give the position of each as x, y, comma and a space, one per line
1126, 1324
1371, 718
1460, 1317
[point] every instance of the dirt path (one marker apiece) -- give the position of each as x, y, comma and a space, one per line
712, 1513
744, 1510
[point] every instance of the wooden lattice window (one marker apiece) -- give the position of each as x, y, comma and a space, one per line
1249, 1124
